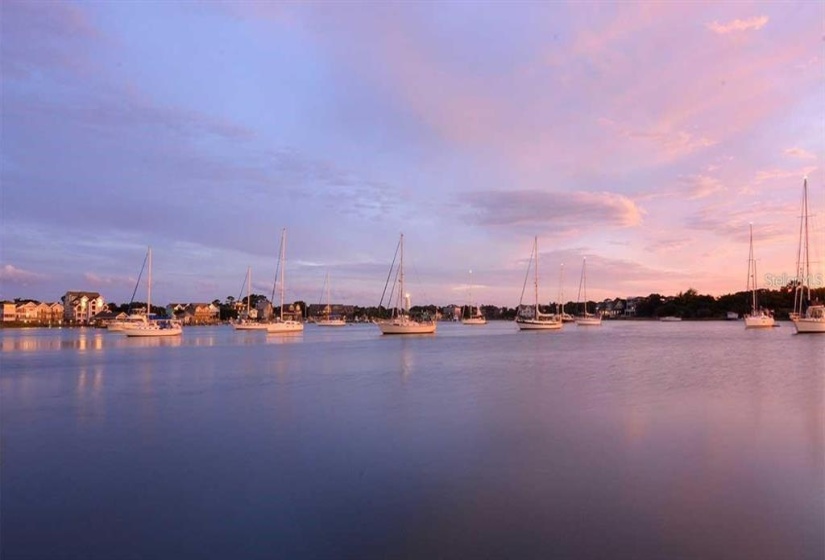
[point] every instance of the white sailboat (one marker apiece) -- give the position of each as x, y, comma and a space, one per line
586, 319
758, 317
530, 318
474, 316
152, 326
807, 317
282, 325
246, 323
330, 320
400, 322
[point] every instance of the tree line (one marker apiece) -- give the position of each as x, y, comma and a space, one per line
688, 304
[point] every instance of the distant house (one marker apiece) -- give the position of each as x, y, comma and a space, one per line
630, 306
201, 314
335, 309
35, 312
81, 307
105, 317
8, 311
175, 309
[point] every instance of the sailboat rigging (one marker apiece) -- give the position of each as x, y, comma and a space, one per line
758, 317
530, 318
586, 319
282, 324
400, 321
807, 316
152, 326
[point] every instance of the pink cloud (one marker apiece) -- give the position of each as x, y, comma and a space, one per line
563, 210
12, 274
737, 25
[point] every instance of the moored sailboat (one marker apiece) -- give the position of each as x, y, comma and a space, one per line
807, 316
400, 321
152, 326
474, 314
530, 318
328, 319
586, 319
758, 317
246, 323
282, 324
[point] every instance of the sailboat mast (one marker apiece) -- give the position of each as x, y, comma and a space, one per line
802, 255
283, 266
401, 277
470, 294
752, 272
149, 287
584, 282
536, 274
248, 285
561, 290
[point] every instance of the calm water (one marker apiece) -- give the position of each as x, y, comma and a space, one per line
632, 440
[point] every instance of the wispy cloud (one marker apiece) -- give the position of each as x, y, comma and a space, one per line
557, 210
702, 186
12, 274
751, 24
800, 153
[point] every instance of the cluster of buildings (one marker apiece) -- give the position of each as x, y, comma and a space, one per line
73, 308
89, 308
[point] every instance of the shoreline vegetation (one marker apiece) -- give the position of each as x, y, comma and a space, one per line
688, 305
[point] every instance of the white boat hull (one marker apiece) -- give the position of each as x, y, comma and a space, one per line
759, 321
331, 323
474, 321
812, 322
537, 325
406, 327
250, 326
285, 327
804, 326
153, 330
589, 321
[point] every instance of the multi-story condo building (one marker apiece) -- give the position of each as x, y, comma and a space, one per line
80, 307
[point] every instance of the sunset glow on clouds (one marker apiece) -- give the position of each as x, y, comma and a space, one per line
645, 137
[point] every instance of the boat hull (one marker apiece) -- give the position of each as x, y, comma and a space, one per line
332, 323
406, 327
588, 321
154, 331
806, 326
249, 327
534, 325
474, 321
759, 322
285, 327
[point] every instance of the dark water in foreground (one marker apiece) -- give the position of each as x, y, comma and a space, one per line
632, 440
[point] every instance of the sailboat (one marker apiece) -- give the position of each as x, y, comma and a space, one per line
586, 319
329, 320
400, 321
246, 323
530, 318
132, 318
806, 317
152, 326
564, 315
475, 316
757, 318
282, 325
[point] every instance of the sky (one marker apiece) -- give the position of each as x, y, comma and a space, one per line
642, 137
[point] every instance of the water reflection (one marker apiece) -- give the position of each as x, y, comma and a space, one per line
154, 342
284, 338
90, 401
